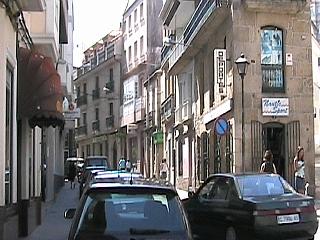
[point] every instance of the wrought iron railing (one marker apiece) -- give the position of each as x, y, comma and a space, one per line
110, 122
82, 130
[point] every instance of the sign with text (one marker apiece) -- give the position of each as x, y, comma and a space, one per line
220, 70
275, 106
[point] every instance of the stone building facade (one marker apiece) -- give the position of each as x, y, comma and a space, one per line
277, 93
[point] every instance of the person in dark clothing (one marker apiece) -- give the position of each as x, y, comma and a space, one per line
72, 174
268, 166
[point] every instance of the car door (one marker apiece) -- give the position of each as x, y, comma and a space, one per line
206, 208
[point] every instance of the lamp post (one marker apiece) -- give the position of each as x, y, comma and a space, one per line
242, 64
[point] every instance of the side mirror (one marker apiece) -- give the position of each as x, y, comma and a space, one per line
69, 213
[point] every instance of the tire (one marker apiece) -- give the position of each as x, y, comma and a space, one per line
231, 233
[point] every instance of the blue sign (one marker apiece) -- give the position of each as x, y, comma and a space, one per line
221, 126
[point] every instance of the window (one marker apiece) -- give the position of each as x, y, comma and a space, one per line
272, 60
135, 15
97, 82
130, 55
84, 88
97, 113
141, 11
84, 115
88, 150
78, 92
130, 26
8, 139
141, 45
135, 50
111, 74
124, 26
111, 109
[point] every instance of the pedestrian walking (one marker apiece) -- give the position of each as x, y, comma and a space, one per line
128, 166
72, 174
267, 165
164, 169
122, 164
299, 175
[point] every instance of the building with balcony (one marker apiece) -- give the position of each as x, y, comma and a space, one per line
33, 100
97, 88
277, 94
142, 41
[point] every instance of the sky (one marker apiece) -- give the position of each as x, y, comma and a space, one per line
93, 19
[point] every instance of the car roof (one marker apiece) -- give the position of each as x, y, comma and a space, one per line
234, 175
134, 183
96, 157
75, 159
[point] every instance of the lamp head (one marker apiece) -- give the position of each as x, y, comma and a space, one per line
242, 64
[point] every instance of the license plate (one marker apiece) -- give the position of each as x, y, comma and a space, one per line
293, 218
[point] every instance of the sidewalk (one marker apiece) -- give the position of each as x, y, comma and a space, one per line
54, 226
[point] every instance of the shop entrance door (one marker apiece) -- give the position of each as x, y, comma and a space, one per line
274, 139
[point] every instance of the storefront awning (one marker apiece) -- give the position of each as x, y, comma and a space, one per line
39, 90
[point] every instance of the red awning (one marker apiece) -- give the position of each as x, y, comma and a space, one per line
39, 90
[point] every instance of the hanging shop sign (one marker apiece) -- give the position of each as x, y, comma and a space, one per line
220, 70
158, 137
275, 106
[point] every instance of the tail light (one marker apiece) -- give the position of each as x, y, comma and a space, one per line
308, 209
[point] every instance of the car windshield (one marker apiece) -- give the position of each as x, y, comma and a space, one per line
263, 185
132, 213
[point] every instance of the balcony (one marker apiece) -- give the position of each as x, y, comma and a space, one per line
94, 62
109, 122
110, 51
82, 100
101, 57
80, 131
95, 94
271, 6
207, 17
96, 126
165, 52
167, 108
183, 112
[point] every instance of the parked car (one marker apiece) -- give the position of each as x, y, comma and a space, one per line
86, 175
78, 161
250, 206
92, 163
134, 209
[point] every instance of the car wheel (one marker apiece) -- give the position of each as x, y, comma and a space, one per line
231, 233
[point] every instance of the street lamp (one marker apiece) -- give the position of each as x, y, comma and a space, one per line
242, 66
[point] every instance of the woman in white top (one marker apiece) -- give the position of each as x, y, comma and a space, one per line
299, 170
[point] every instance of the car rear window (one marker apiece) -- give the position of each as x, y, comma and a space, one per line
131, 213
96, 162
263, 185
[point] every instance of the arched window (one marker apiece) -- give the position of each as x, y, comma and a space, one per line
272, 59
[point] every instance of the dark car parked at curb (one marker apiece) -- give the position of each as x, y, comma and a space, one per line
133, 209
250, 206
91, 163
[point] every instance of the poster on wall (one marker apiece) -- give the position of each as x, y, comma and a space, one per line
271, 47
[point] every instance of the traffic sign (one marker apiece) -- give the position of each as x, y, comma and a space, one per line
221, 126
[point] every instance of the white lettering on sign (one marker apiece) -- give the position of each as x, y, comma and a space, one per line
275, 106
220, 70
